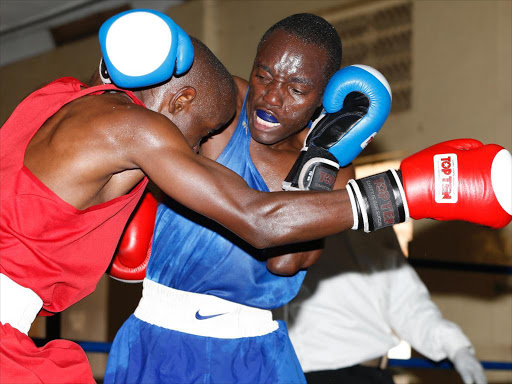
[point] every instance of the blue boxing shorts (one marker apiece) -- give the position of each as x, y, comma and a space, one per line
182, 337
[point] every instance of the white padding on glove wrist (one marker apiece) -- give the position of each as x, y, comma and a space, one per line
359, 197
402, 193
353, 204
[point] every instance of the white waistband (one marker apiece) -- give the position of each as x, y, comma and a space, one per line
19, 306
202, 315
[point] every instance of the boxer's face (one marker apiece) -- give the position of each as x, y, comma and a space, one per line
285, 87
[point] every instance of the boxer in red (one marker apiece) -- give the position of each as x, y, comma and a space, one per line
68, 189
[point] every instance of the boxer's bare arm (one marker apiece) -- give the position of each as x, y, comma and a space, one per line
262, 219
94, 149
291, 263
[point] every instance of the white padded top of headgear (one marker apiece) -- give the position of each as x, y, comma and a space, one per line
378, 75
501, 178
138, 43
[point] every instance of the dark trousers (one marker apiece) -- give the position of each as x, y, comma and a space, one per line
357, 374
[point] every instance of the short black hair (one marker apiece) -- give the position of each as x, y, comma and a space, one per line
315, 30
214, 64
210, 76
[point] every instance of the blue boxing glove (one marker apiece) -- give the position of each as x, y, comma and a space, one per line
356, 101
143, 47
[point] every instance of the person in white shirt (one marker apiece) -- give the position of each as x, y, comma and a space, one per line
355, 305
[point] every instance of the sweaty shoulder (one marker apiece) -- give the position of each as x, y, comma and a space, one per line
122, 128
137, 129
213, 147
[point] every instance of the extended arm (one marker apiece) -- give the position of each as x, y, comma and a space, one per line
271, 219
262, 219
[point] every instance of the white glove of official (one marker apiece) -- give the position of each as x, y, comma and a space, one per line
468, 367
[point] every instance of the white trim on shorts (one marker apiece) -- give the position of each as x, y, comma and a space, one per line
200, 314
19, 306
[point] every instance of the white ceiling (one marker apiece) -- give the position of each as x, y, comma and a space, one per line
24, 24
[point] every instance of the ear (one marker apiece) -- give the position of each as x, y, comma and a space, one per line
182, 100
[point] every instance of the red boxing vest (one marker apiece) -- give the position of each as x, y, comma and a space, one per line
46, 244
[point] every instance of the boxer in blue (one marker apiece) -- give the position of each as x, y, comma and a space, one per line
204, 316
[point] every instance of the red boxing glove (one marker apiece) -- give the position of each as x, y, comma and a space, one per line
455, 180
460, 180
132, 254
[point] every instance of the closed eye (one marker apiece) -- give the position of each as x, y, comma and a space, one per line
262, 78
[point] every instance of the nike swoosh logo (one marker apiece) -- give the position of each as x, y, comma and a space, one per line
199, 317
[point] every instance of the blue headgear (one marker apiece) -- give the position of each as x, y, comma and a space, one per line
143, 47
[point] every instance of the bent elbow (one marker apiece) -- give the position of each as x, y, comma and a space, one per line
261, 235
281, 267
259, 239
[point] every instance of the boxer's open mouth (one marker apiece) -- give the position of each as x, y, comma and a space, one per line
266, 119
